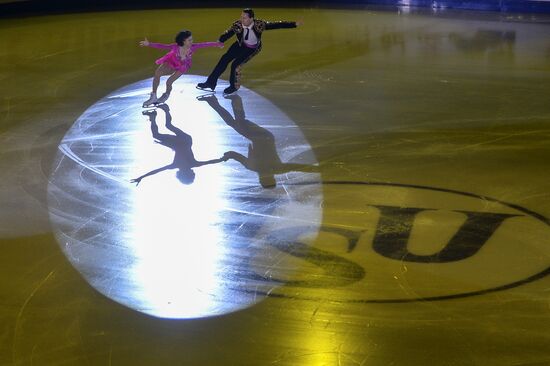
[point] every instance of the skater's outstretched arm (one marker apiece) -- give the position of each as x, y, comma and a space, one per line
146, 43
281, 24
152, 172
229, 32
207, 44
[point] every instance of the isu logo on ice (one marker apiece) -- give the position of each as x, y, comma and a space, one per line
398, 243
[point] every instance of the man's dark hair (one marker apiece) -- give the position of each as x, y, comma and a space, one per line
249, 11
182, 36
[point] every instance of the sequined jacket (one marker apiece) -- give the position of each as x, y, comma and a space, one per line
259, 27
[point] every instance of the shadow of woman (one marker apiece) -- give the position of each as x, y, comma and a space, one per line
262, 156
184, 159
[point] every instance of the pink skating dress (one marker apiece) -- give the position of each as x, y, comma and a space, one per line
173, 58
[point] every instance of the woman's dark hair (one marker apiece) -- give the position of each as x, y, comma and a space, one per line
182, 36
249, 11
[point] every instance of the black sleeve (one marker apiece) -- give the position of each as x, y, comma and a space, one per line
229, 32
279, 25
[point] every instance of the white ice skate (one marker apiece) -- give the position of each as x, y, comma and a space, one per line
163, 98
151, 101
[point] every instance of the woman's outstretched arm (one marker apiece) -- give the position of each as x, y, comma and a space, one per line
146, 43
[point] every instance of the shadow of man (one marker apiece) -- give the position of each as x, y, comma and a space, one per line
184, 159
262, 156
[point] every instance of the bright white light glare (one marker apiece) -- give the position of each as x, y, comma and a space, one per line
177, 243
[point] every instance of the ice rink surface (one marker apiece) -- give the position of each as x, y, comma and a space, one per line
383, 200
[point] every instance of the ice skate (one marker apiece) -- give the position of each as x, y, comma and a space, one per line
163, 98
229, 90
151, 101
206, 87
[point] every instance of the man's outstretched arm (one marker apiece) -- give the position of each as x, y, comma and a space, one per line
229, 32
281, 24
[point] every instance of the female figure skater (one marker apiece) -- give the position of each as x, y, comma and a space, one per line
174, 63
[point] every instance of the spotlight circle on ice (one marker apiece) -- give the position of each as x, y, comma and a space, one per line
179, 244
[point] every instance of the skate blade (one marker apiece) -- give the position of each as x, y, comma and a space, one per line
210, 90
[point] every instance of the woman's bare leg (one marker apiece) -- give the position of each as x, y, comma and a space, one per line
169, 83
175, 76
162, 70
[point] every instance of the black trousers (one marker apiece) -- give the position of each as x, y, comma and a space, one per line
239, 55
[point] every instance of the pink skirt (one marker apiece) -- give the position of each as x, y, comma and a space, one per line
173, 62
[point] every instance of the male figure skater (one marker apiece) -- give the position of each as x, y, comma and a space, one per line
248, 44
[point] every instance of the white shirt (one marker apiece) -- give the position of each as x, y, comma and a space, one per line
252, 39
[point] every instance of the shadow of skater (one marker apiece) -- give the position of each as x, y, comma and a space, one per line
181, 143
262, 152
